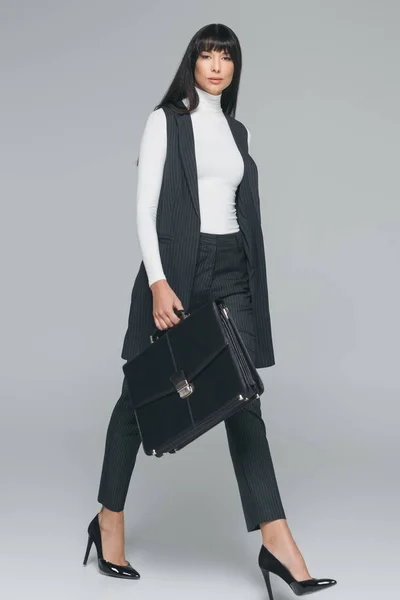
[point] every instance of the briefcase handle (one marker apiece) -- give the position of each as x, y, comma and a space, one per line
159, 332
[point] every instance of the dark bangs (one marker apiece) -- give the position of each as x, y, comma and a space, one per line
216, 37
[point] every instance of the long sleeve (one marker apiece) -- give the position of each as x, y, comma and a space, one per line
152, 153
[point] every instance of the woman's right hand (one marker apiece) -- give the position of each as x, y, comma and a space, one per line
164, 301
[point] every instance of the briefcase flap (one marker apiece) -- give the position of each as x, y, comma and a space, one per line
183, 350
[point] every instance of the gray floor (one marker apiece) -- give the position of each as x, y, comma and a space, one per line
339, 494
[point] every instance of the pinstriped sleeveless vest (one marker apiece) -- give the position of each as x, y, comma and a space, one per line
178, 229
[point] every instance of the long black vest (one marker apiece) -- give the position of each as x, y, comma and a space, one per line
178, 228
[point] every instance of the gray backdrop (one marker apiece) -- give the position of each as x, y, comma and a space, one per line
320, 94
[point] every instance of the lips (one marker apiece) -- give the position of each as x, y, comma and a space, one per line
215, 78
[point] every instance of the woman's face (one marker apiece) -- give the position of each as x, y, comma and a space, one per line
213, 71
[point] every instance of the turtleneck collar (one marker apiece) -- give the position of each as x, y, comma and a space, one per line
207, 102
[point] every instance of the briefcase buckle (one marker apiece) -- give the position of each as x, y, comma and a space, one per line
182, 386
185, 390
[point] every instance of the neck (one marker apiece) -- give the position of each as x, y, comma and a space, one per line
207, 102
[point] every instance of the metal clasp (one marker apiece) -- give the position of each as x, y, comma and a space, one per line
183, 387
186, 389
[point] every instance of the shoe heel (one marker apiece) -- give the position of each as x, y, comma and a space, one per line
89, 545
267, 580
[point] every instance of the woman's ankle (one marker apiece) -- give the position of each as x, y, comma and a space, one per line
110, 517
272, 531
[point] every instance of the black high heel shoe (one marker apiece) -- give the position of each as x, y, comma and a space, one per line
269, 563
106, 567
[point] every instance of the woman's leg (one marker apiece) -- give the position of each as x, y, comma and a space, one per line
259, 492
249, 448
121, 448
252, 462
222, 273
247, 438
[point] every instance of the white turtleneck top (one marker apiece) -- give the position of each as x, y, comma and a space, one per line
219, 169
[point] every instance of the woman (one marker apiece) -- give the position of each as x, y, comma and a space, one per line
199, 229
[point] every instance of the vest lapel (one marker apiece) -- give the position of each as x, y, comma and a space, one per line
188, 156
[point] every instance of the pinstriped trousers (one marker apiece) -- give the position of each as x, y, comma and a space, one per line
221, 272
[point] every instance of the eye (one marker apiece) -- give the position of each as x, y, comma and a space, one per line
225, 57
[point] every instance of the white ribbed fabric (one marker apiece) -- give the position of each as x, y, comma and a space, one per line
219, 168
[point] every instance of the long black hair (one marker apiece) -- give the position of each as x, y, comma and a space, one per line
210, 37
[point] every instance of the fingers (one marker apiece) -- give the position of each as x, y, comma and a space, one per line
166, 319
177, 303
159, 324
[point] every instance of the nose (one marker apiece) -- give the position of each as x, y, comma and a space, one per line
216, 67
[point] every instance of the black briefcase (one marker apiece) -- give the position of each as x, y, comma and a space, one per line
191, 377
